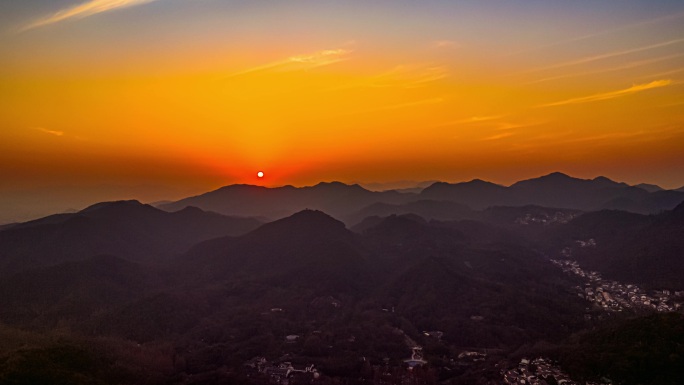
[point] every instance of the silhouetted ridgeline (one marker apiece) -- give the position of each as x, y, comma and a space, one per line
353, 203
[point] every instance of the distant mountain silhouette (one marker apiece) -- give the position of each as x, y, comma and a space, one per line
477, 193
427, 209
335, 198
400, 186
128, 229
560, 190
649, 187
556, 190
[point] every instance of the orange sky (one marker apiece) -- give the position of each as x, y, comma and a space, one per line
158, 99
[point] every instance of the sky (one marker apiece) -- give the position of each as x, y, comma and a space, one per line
160, 99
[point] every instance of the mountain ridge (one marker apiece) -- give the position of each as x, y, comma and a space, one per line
340, 200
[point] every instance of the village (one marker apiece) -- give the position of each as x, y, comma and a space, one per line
617, 297
541, 371
280, 372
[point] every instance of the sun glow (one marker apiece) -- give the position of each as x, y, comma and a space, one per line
260, 174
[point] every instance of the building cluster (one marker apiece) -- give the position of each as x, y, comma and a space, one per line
540, 371
282, 373
472, 356
434, 334
616, 296
545, 218
567, 251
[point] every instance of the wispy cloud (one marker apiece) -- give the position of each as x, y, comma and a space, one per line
83, 10
607, 55
445, 44
602, 33
321, 58
50, 132
499, 136
473, 120
401, 76
611, 95
631, 65
301, 62
666, 73
478, 119
428, 75
411, 76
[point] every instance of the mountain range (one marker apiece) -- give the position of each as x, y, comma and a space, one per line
189, 292
352, 202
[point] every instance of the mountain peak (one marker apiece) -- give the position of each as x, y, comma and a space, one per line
557, 175
330, 184
338, 186
479, 181
603, 179
649, 187
311, 216
304, 222
239, 186
112, 205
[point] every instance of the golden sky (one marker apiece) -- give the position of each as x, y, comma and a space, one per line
156, 99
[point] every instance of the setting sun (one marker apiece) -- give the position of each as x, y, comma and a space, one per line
260, 174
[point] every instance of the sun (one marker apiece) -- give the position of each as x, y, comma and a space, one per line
260, 174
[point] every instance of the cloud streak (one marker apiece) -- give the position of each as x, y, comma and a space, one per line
601, 33
607, 55
445, 44
498, 136
301, 62
51, 132
89, 8
611, 95
613, 69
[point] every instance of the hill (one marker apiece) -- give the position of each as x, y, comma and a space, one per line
628, 247
128, 229
427, 209
649, 187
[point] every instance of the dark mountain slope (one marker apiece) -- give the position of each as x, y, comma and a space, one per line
644, 351
629, 247
308, 248
72, 291
126, 228
424, 208
229, 299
